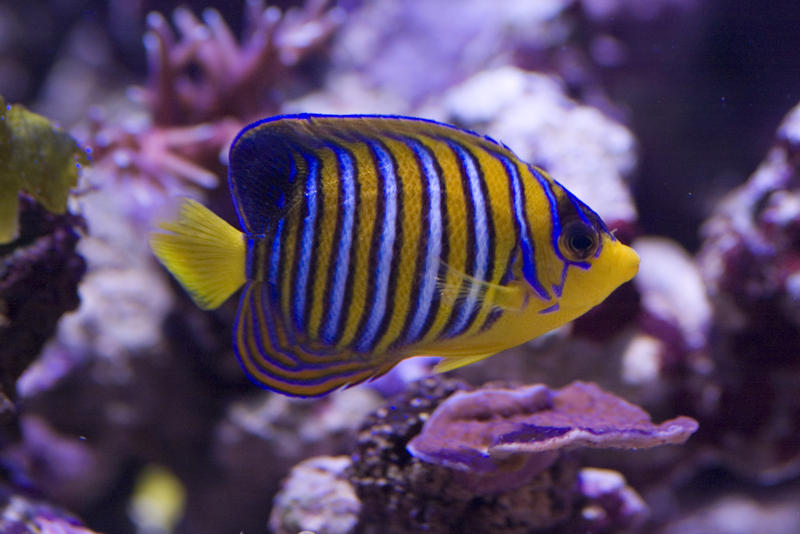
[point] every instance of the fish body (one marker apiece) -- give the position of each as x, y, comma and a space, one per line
368, 239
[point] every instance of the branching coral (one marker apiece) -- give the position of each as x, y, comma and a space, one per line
167, 158
205, 74
203, 86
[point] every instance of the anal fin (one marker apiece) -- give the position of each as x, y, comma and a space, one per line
448, 363
274, 358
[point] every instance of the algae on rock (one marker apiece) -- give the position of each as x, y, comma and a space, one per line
37, 158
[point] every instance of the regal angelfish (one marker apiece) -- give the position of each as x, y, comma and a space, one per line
370, 239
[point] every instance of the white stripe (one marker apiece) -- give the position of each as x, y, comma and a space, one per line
481, 241
347, 203
384, 261
434, 245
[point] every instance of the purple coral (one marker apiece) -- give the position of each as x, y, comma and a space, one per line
20, 514
750, 261
401, 493
481, 430
444, 458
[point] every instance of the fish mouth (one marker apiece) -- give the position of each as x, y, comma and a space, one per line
627, 262
630, 260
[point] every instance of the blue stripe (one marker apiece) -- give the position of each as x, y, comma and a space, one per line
481, 263
277, 361
382, 268
255, 325
275, 256
551, 199
547, 187
550, 309
347, 203
306, 242
250, 258
526, 243
247, 313
434, 244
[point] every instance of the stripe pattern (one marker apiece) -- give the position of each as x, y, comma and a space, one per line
383, 213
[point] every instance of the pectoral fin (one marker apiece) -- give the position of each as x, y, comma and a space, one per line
456, 285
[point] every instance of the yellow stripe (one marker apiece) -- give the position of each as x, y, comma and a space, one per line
328, 212
537, 208
408, 177
288, 245
500, 212
355, 308
261, 310
263, 368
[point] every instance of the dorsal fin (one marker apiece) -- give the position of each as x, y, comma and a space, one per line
270, 159
266, 173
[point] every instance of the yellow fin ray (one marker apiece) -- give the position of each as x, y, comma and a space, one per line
511, 297
203, 252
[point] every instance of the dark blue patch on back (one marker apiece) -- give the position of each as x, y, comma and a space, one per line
262, 176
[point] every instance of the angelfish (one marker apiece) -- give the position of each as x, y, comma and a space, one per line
369, 239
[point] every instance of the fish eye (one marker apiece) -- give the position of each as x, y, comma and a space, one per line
578, 241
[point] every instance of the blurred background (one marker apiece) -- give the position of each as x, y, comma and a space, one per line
676, 120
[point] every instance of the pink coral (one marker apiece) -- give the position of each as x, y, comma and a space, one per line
205, 73
202, 87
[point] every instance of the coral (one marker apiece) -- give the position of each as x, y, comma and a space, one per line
500, 437
424, 36
741, 514
37, 158
316, 497
750, 261
20, 514
70, 466
202, 88
256, 442
205, 74
672, 290
168, 158
608, 504
648, 110
39, 276
668, 357
589, 153
441, 458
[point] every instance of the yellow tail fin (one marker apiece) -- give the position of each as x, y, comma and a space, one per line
205, 254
